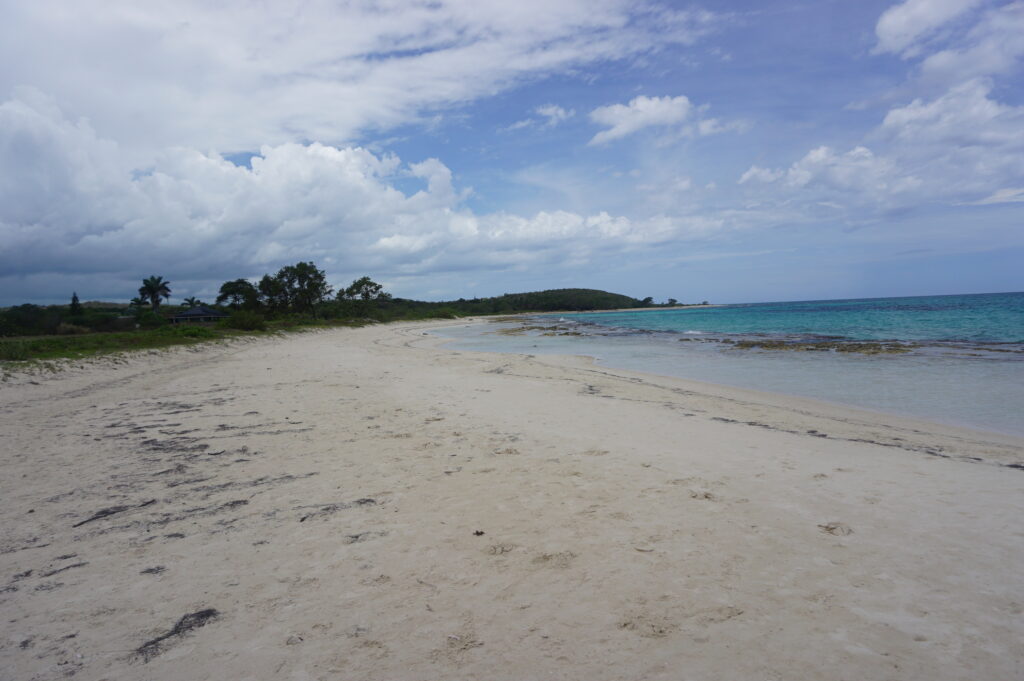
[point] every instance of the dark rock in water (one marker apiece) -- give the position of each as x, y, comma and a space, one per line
863, 348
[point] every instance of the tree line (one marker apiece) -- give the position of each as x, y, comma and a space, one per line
294, 293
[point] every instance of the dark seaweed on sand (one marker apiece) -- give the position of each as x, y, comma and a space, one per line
194, 620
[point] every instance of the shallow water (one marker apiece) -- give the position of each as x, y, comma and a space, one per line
971, 377
974, 318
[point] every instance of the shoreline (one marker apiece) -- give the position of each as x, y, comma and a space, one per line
796, 374
817, 411
367, 503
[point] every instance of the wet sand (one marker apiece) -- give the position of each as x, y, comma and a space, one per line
366, 504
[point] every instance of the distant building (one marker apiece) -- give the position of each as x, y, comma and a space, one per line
199, 313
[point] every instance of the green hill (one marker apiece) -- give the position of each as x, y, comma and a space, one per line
567, 299
570, 299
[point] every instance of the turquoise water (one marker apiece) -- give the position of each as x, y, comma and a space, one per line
979, 318
965, 364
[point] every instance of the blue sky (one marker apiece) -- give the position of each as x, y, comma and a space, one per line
732, 151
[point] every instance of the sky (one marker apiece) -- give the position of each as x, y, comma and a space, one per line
735, 151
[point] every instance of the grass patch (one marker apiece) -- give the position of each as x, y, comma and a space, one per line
79, 346
88, 345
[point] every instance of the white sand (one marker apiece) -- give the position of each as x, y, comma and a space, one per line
324, 494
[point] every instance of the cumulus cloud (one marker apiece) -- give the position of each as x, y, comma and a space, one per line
858, 171
958, 146
966, 117
71, 207
961, 147
677, 114
641, 112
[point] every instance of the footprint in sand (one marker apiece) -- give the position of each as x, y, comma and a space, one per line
500, 549
648, 625
718, 615
561, 560
837, 529
697, 482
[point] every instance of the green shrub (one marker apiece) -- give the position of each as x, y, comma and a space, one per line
14, 351
442, 313
150, 320
65, 329
188, 331
245, 320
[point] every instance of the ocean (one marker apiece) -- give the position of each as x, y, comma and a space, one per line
953, 359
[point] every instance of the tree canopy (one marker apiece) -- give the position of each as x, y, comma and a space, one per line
304, 285
364, 288
154, 289
239, 294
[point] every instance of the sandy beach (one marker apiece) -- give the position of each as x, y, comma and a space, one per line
367, 504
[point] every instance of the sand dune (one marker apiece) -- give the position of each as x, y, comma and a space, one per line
366, 504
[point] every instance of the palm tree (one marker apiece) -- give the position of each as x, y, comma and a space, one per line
153, 289
136, 302
192, 301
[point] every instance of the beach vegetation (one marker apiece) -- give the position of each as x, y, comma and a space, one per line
239, 294
66, 329
294, 298
245, 320
154, 290
14, 351
295, 288
86, 345
364, 288
148, 319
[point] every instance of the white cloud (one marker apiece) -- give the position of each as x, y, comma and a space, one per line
233, 76
960, 148
72, 208
903, 28
1008, 195
966, 144
555, 114
858, 171
552, 113
759, 174
993, 46
519, 125
676, 113
641, 112
713, 126
965, 117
